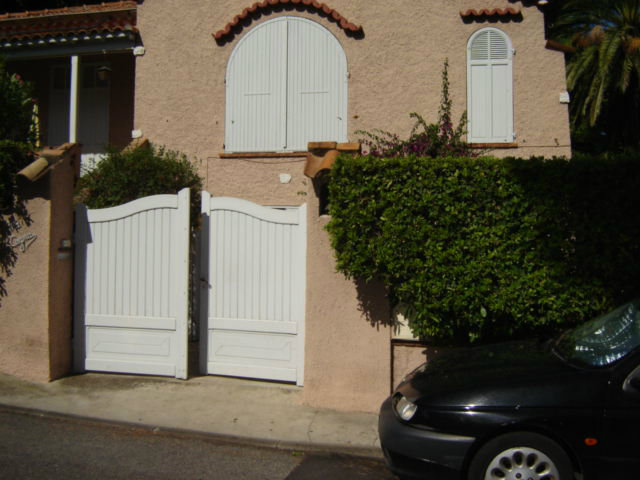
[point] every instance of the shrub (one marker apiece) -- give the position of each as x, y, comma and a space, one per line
478, 250
16, 144
127, 175
13, 157
16, 134
438, 139
16, 108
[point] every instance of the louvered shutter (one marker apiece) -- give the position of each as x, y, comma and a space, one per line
490, 87
317, 86
256, 90
286, 86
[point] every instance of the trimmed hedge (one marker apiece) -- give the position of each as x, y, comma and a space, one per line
479, 250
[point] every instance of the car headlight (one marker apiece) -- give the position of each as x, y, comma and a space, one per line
404, 408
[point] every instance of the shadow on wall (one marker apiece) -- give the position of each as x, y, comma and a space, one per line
373, 303
13, 218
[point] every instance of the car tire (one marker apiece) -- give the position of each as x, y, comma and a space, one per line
521, 456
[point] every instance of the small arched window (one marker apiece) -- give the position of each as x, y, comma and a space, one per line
490, 87
286, 86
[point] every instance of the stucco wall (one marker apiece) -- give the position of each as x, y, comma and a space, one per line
24, 315
347, 351
394, 69
35, 314
408, 356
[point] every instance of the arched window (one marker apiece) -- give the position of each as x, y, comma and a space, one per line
286, 86
490, 87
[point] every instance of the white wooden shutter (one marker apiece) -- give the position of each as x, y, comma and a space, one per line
256, 90
317, 86
286, 86
490, 87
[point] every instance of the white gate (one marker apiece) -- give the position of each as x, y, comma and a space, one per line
252, 290
131, 293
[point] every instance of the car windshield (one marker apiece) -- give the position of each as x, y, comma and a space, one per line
603, 340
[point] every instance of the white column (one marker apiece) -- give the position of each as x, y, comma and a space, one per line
73, 100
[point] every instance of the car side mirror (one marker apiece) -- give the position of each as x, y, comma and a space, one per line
631, 384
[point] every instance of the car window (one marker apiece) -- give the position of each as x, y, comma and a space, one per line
603, 340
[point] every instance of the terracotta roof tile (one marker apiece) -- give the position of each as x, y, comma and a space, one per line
493, 12
87, 19
239, 19
103, 7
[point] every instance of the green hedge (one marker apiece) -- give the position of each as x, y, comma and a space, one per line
483, 249
123, 176
16, 145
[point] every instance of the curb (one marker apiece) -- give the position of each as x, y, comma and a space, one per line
364, 452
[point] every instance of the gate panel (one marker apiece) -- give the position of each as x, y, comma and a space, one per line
253, 289
131, 288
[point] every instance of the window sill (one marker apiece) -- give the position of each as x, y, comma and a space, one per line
494, 146
263, 154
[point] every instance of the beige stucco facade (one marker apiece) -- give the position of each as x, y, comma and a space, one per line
35, 313
394, 69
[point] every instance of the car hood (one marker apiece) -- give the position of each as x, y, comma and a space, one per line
516, 374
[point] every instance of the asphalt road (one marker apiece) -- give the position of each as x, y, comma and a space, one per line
35, 446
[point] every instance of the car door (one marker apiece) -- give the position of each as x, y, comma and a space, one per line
621, 423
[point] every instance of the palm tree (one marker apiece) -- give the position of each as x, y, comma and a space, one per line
603, 75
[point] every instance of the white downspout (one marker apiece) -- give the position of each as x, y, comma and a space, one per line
73, 100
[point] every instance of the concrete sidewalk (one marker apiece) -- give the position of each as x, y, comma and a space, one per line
250, 411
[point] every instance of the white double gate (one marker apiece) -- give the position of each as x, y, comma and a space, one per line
131, 294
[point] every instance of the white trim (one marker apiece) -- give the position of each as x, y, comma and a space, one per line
147, 323
288, 216
302, 304
135, 206
233, 370
139, 368
29, 52
181, 238
510, 136
73, 99
253, 325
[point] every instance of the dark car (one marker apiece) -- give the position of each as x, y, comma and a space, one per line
556, 410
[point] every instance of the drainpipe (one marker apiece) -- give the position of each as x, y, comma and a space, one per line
73, 101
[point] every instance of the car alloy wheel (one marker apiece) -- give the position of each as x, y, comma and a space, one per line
521, 456
521, 463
